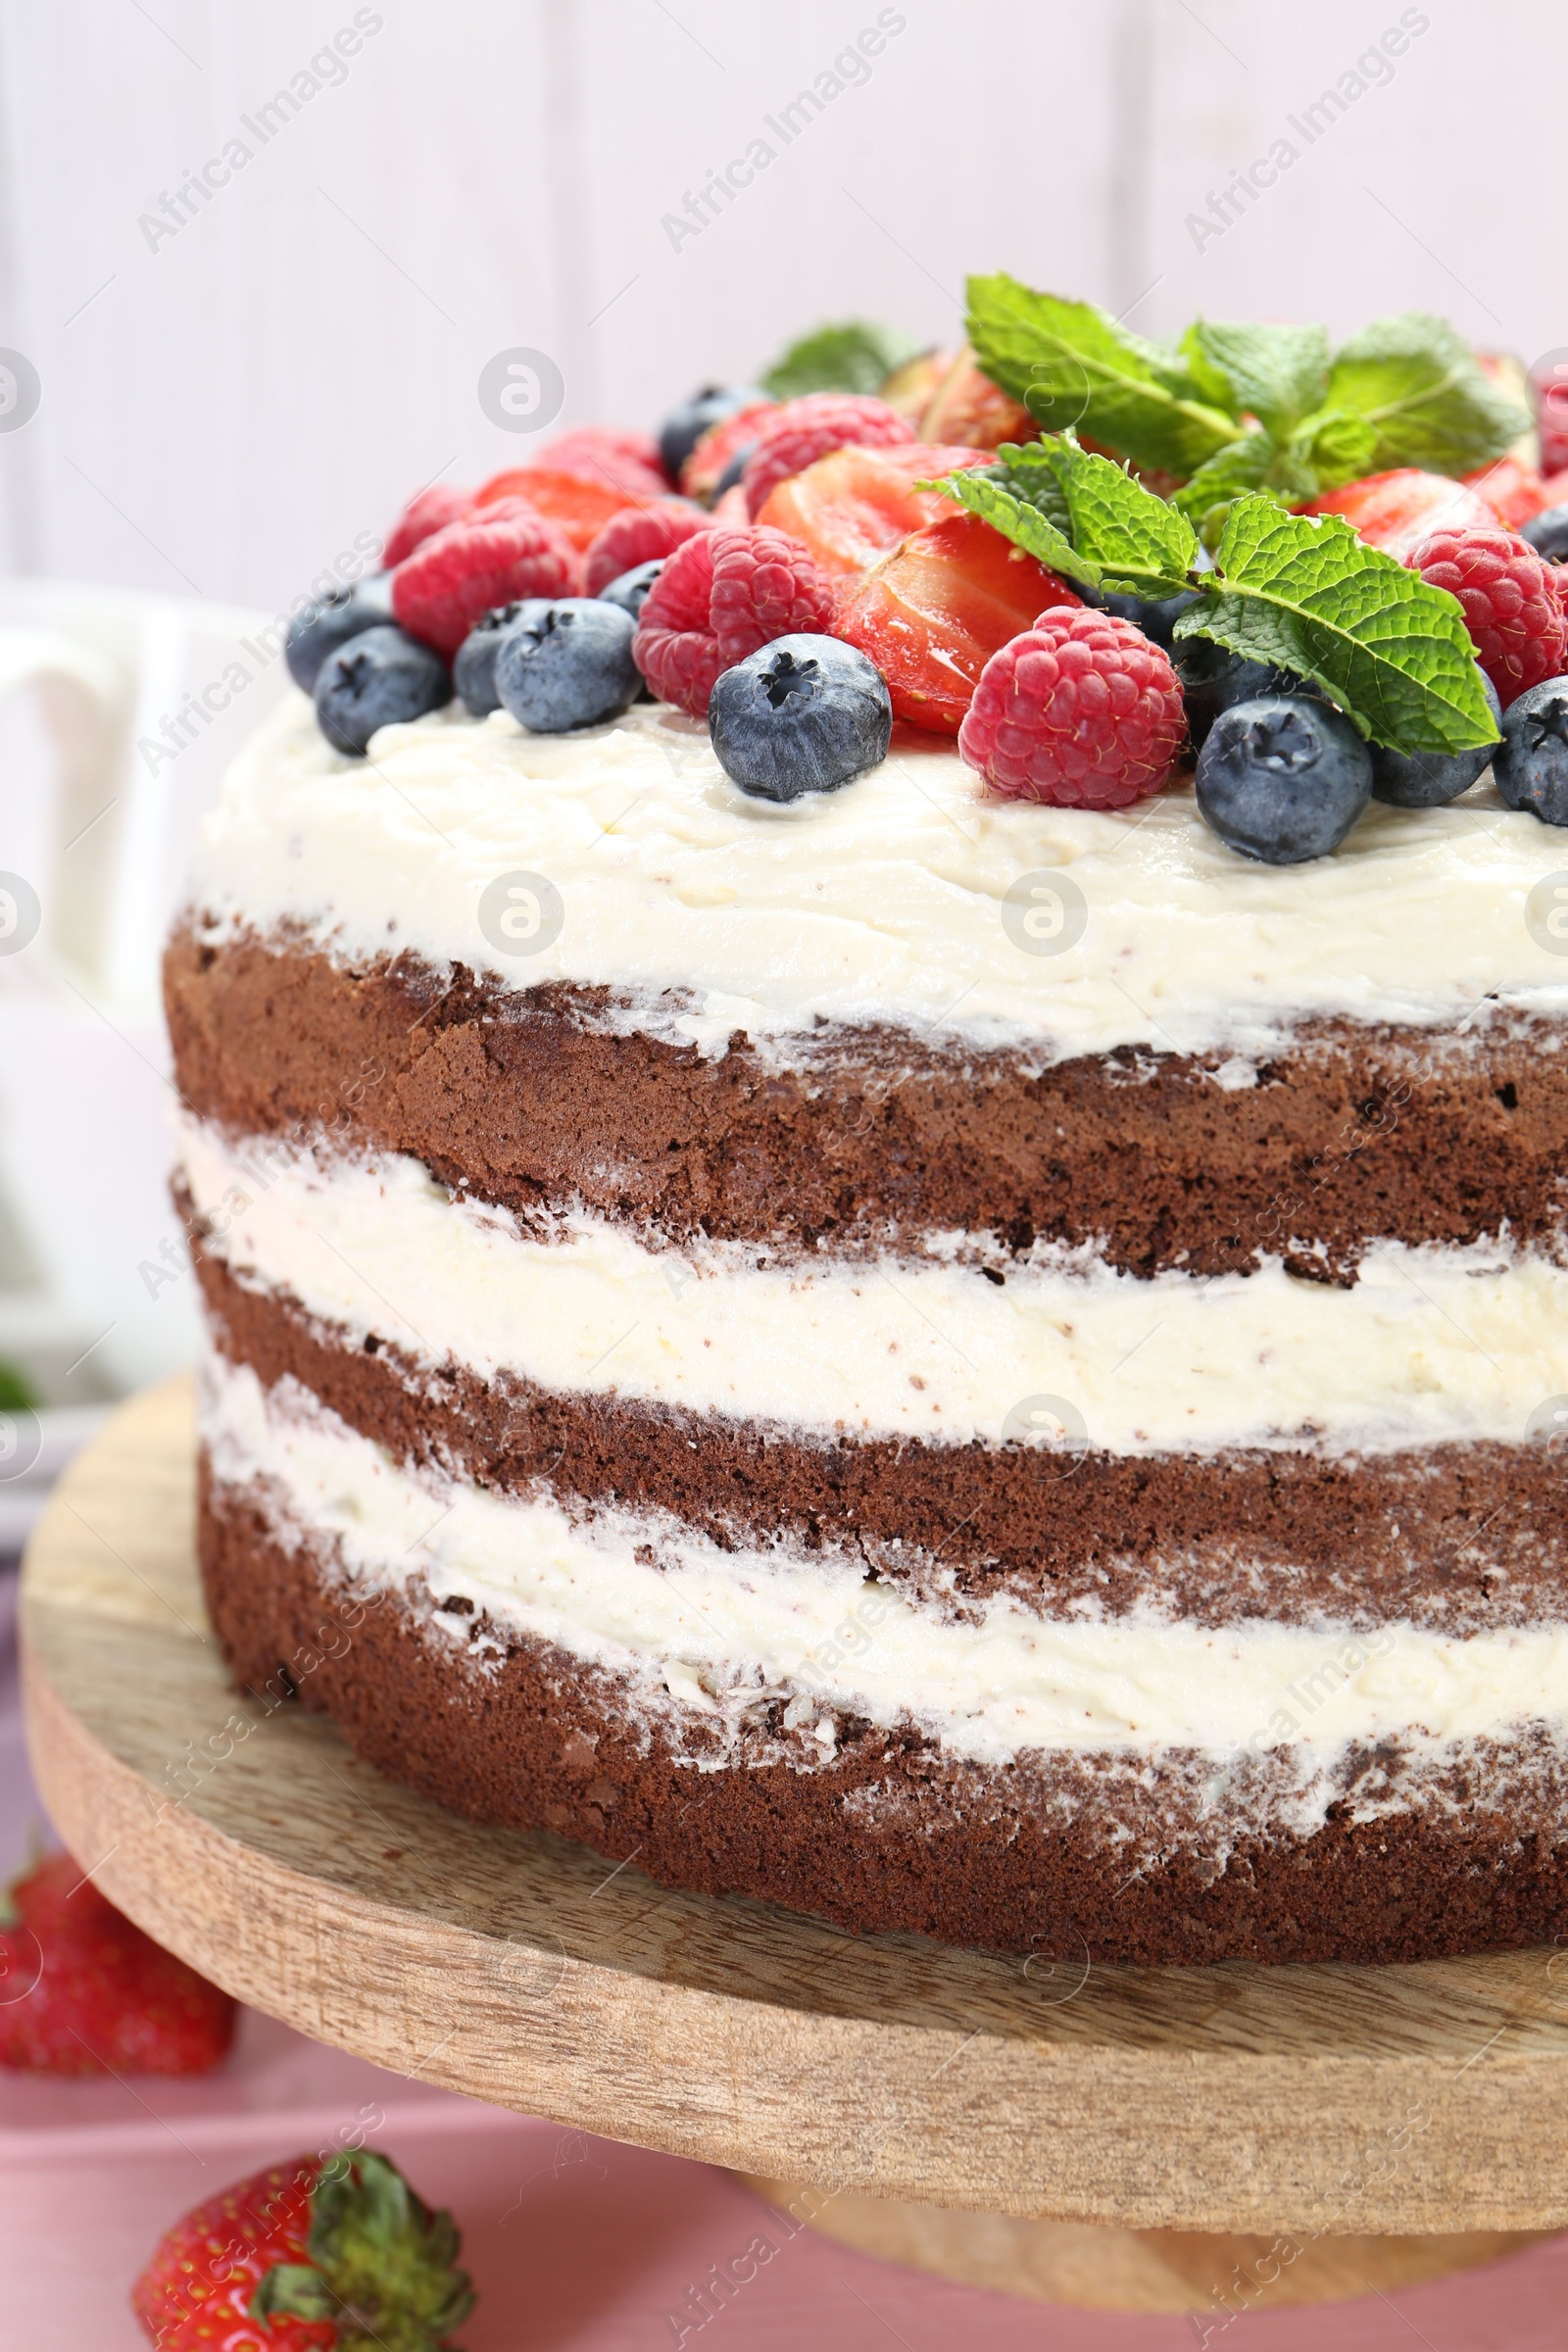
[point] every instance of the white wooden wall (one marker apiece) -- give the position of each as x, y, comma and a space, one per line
222, 410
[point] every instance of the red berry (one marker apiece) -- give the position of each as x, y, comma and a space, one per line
610, 453
639, 534
255, 2268
579, 505
1081, 711
450, 580
1395, 510
854, 505
720, 595
717, 448
83, 1992
428, 511
804, 429
1510, 602
1513, 490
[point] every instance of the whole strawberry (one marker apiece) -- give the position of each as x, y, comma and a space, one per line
82, 1991
720, 597
1510, 601
1081, 711
323, 2254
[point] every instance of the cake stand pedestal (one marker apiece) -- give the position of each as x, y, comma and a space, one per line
1215, 2139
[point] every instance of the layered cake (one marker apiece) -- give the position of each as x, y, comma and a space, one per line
947, 1359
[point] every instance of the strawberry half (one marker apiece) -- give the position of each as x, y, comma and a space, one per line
932, 613
854, 505
579, 506
329, 2254
83, 1992
1395, 511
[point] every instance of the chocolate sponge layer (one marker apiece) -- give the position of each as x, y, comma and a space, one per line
537, 1098
1076, 1856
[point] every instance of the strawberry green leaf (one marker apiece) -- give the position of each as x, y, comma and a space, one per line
1305, 594
1072, 364
854, 356
1275, 374
1420, 385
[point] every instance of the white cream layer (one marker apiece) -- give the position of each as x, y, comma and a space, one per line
719, 1630
881, 901
1430, 1344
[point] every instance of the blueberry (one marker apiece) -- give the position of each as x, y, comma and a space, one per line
1548, 534
733, 471
802, 714
1212, 679
1426, 779
681, 431
1283, 778
1157, 617
473, 673
568, 664
1531, 764
379, 679
629, 590
333, 620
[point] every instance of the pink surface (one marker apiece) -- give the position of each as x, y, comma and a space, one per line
571, 2241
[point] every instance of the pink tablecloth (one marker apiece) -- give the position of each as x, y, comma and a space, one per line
575, 2244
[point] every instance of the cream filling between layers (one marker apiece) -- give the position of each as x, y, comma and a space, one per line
884, 901
720, 1632
1429, 1345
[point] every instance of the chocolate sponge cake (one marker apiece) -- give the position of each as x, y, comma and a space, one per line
959, 1365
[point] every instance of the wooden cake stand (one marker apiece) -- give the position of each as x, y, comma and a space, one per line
1214, 2139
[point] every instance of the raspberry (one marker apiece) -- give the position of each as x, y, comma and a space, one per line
1510, 602
720, 595
427, 512
715, 450
637, 535
1081, 711
455, 577
804, 429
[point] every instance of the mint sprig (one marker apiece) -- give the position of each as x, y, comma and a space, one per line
1299, 592
855, 356
1420, 385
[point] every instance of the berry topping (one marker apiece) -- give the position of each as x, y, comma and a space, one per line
452, 579
1395, 511
719, 598
1283, 778
568, 665
579, 505
473, 673
639, 533
331, 622
1531, 764
804, 714
382, 678
710, 457
806, 429
630, 591
854, 505
308, 2256
428, 511
82, 1991
609, 454
1081, 711
1547, 533
1513, 490
685, 427
945, 398
932, 613
1212, 679
1510, 602
1427, 779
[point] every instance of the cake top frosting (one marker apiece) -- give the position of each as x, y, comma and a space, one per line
623, 858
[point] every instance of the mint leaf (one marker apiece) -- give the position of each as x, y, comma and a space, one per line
1275, 374
1072, 364
1333, 447
1305, 594
1241, 465
1420, 385
1082, 516
856, 356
